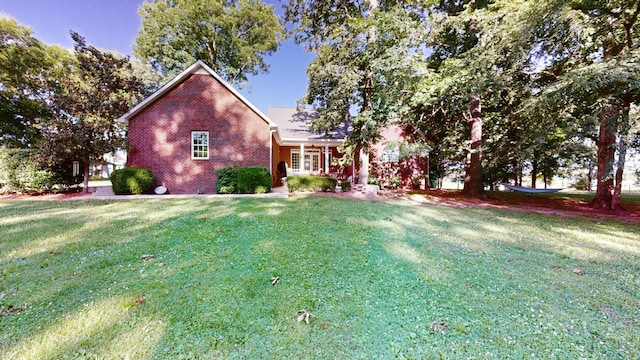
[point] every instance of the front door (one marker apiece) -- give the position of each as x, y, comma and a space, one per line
312, 160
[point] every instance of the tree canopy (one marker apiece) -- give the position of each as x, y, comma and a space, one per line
98, 90
28, 73
544, 79
232, 37
366, 54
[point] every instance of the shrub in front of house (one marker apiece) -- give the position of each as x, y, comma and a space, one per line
132, 180
311, 183
345, 185
254, 180
19, 173
227, 182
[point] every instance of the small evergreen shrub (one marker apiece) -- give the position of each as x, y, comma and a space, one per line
394, 182
345, 185
254, 180
132, 180
227, 182
581, 184
311, 183
372, 180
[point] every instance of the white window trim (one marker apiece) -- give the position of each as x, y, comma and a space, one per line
390, 154
307, 151
193, 145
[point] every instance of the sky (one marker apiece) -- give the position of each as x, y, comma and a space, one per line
113, 25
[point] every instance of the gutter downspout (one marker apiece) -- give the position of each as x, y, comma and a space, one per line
271, 132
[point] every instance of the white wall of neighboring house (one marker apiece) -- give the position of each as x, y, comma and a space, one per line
111, 162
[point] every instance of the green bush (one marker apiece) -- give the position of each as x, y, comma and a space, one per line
132, 180
254, 180
372, 180
345, 185
227, 182
394, 182
581, 184
311, 183
20, 173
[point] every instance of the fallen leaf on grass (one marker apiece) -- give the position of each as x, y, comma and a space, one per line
275, 280
610, 313
146, 257
325, 325
54, 253
304, 315
437, 326
139, 300
578, 271
13, 310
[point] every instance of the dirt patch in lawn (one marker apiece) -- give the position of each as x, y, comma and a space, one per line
557, 205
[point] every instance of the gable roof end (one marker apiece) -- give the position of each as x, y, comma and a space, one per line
199, 67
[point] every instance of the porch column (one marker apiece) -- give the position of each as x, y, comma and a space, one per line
302, 169
326, 158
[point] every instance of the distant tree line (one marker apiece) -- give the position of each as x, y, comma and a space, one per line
498, 87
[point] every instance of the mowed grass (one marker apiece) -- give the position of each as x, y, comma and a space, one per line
382, 280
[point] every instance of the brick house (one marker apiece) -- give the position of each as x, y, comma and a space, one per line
391, 166
197, 123
302, 150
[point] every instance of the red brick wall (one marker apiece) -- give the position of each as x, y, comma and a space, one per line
160, 135
408, 170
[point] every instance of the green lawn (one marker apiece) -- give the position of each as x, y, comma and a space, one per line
381, 280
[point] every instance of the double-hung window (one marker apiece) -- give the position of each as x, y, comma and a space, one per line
391, 153
295, 160
199, 144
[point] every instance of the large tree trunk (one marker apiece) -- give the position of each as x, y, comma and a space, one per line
363, 170
606, 155
85, 183
622, 154
514, 164
473, 184
534, 171
617, 190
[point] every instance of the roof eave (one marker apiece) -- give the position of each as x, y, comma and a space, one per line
193, 69
299, 141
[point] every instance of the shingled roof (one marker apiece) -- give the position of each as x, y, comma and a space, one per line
294, 125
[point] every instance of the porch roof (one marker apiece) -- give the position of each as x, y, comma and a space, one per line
294, 127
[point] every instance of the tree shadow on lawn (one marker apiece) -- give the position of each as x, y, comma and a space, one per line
367, 270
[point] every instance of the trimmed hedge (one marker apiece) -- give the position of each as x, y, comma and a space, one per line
227, 182
311, 183
132, 180
245, 180
254, 180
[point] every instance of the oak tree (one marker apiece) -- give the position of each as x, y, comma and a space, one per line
232, 36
